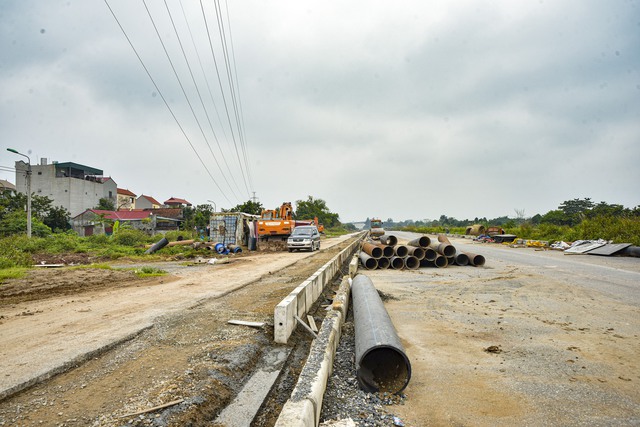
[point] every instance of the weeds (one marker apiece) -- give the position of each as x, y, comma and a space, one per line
149, 272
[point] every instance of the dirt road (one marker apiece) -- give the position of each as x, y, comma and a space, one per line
512, 343
518, 342
64, 317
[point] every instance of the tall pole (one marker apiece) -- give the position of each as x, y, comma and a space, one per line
214, 205
28, 178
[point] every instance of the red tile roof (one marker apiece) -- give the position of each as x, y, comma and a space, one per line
122, 215
126, 192
176, 201
152, 200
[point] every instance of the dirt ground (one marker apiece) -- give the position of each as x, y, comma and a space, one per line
505, 345
498, 345
127, 344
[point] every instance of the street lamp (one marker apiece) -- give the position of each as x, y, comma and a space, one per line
214, 205
28, 176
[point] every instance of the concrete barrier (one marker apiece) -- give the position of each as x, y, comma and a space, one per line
305, 405
300, 300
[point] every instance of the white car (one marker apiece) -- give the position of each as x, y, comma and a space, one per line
304, 237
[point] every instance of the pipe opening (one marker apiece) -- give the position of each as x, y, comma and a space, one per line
370, 263
401, 251
384, 369
397, 263
412, 262
383, 263
387, 251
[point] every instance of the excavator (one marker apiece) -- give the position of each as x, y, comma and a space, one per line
275, 225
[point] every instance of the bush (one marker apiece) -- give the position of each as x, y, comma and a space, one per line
130, 237
12, 254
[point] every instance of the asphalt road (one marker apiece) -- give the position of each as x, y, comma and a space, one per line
617, 276
532, 338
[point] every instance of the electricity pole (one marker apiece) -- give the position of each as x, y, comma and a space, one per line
28, 176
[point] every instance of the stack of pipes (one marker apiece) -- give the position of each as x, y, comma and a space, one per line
420, 252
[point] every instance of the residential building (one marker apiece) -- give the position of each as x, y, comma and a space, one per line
73, 186
6, 185
126, 200
174, 202
95, 221
147, 202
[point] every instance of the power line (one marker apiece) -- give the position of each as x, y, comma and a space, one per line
193, 79
225, 52
244, 136
224, 99
165, 100
213, 102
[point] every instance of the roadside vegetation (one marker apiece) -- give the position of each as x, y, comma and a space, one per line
577, 219
52, 234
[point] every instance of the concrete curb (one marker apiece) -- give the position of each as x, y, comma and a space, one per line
300, 300
304, 407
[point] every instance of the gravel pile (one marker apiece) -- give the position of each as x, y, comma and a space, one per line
343, 398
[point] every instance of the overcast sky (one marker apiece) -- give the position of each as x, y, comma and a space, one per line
408, 110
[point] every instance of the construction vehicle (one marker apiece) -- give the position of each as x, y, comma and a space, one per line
376, 228
275, 226
276, 223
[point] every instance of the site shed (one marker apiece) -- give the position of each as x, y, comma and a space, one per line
231, 227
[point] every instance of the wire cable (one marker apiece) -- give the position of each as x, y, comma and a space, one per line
165, 101
193, 79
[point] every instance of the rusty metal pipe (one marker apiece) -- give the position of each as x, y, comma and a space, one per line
422, 242
445, 249
461, 259
389, 239
416, 252
387, 251
411, 262
397, 263
440, 262
443, 239
383, 263
372, 250
369, 262
475, 260
401, 251
430, 254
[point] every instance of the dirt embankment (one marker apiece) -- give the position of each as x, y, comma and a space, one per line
191, 352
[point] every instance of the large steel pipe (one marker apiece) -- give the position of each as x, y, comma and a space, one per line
445, 249
416, 252
401, 251
631, 251
443, 239
411, 262
440, 261
387, 251
157, 246
381, 362
474, 259
422, 242
461, 259
397, 263
383, 263
369, 262
372, 250
389, 239
430, 254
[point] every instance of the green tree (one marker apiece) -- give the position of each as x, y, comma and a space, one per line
57, 219
249, 207
106, 204
16, 223
311, 208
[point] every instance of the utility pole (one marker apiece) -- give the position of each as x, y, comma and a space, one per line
28, 177
254, 199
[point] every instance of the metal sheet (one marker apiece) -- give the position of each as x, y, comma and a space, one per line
581, 249
609, 249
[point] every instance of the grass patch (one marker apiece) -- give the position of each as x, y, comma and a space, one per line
96, 266
12, 273
149, 272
